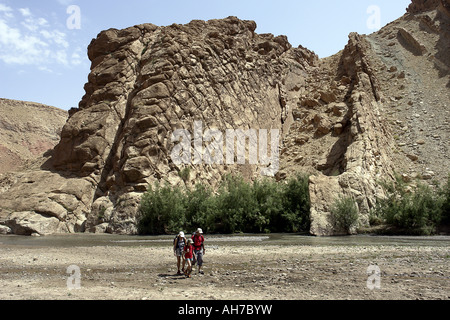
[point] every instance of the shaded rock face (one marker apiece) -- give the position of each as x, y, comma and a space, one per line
349, 120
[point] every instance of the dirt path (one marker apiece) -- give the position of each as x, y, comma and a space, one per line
231, 273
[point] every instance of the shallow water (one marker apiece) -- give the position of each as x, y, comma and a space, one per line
92, 240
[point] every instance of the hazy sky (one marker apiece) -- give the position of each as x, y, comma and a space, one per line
43, 42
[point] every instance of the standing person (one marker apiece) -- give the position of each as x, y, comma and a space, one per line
188, 256
178, 245
199, 249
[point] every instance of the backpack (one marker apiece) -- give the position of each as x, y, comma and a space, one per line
175, 241
198, 240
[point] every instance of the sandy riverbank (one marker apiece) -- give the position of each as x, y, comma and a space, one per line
296, 272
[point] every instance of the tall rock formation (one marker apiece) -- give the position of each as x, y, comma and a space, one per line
349, 120
147, 82
344, 141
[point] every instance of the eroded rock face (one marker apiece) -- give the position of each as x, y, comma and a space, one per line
145, 83
334, 116
347, 146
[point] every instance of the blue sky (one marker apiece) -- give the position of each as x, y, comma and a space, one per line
43, 43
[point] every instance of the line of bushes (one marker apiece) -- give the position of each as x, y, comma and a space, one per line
413, 209
237, 206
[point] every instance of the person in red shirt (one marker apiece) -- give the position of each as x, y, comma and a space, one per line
199, 249
188, 256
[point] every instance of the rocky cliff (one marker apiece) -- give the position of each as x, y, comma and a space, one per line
146, 82
386, 110
378, 106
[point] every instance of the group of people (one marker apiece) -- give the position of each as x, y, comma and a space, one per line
189, 252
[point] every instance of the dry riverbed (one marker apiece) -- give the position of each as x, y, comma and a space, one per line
233, 271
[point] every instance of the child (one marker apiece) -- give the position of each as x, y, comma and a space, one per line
188, 255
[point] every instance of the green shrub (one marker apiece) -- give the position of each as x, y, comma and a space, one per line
162, 210
345, 213
185, 173
237, 206
269, 206
197, 206
296, 204
417, 210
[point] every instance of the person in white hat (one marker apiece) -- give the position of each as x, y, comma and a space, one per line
199, 249
178, 245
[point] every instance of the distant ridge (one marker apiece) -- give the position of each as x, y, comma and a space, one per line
27, 130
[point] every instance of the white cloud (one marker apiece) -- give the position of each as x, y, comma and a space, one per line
42, 22
30, 40
61, 57
18, 48
60, 39
76, 57
56, 36
65, 2
45, 69
7, 12
25, 12
29, 24
4, 8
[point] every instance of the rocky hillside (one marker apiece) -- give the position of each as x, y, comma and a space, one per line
27, 130
378, 106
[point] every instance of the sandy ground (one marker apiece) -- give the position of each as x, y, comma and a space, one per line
238, 272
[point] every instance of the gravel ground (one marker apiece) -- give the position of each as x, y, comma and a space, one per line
233, 271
